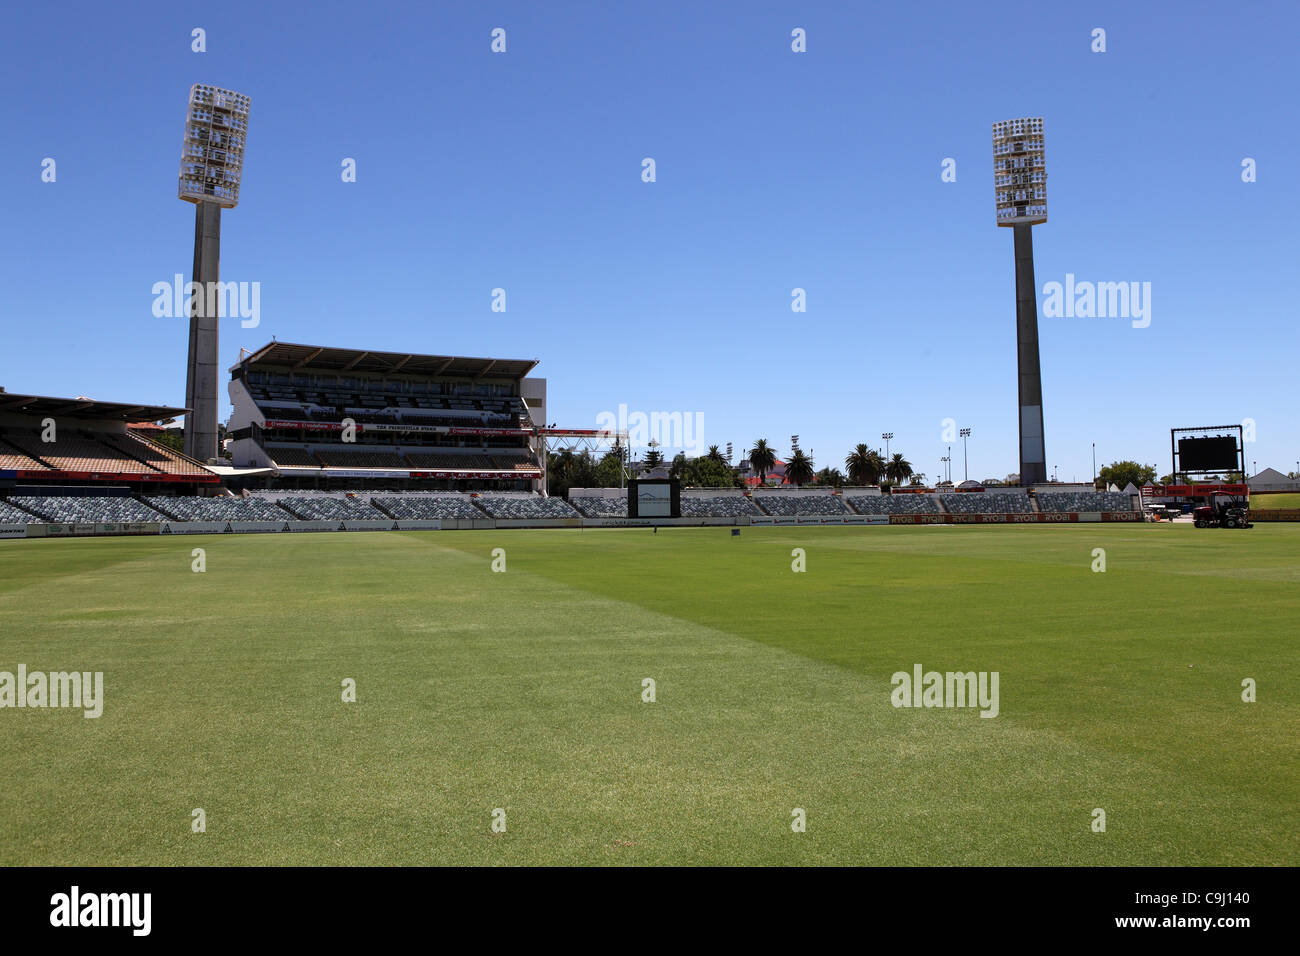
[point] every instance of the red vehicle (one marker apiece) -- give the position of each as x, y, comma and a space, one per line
1223, 510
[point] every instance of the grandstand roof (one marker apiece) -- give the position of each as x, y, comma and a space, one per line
82, 407
362, 360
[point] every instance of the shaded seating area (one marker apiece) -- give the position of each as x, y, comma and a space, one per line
339, 458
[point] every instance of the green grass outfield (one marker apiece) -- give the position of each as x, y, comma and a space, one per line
1274, 502
522, 691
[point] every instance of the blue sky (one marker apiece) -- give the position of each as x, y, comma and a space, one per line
775, 170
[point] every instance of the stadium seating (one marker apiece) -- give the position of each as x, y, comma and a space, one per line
69, 510
422, 459
802, 505
331, 508
428, 507
292, 456
349, 458
221, 508
904, 504
987, 503
722, 506
500, 506
599, 507
1057, 501
157, 457
75, 453
11, 515
13, 457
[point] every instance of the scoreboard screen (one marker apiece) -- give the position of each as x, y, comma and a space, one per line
1207, 454
654, 498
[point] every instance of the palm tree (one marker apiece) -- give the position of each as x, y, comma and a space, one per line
864, 466
715, 454
856, 464
899, 468
799, 468
762, 458
877, 469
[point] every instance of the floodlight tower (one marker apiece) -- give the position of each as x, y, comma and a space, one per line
212, 160
1020, 188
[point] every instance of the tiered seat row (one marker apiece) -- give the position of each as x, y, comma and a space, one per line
722, 506
83, 510
13, 458
425, 459
501, 506
328, 508
428, 507
593, 507
345, 456
906, 504
801, 505
11, 515
987, 503
158, 457
75, 454
220, 508
292, 456
107, 453
1058, 501
340, 458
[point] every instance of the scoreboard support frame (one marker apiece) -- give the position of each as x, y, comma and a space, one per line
1204, 431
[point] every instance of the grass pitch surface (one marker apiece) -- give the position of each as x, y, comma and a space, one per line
523, 690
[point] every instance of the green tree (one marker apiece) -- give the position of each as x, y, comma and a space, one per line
762, 458
653, 457
830, 476
864, 466
708, 473
566, 470
609, 471
1121, 473
799, 468
715, 454
899, 468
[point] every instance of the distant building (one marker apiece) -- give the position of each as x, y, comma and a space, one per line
1270, 479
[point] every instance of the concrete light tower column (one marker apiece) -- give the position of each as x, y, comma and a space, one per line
1020, 188
212, 161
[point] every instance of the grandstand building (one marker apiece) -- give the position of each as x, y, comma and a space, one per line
59, 452
331, 418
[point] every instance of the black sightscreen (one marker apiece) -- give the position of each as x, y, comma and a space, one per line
1207, 454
